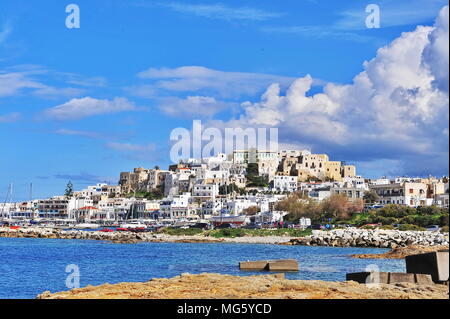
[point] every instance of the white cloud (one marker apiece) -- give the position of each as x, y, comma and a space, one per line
5, 32
80, 108
436, 53
201, 79
316, 31
9, 118
88, 134
12, 83
222, 12
392, 110
192, 106
127, 147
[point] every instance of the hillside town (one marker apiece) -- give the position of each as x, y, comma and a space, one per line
240, 188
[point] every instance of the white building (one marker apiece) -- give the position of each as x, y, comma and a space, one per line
285, 183
205, 191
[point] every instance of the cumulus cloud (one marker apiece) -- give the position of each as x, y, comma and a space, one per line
397, 108
76, 109
436, 52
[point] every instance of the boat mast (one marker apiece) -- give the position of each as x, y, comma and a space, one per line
6, 200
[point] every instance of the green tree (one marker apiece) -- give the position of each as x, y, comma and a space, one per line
370, 197
69, 190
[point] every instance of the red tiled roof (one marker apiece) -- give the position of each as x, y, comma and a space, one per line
88, 208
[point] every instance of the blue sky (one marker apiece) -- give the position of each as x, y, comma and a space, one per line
123, 80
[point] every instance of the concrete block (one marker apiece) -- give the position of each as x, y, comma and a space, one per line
389, 278
435, 264
283, 265
253, 265
270, 265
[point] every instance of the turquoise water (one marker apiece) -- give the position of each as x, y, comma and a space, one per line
30, 266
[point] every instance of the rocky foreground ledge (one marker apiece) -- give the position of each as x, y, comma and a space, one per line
212, 286
372, 238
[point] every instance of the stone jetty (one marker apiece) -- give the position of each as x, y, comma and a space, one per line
372, 238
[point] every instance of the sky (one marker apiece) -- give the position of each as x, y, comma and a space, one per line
84, 104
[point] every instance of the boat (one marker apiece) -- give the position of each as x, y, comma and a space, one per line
86, 226
132, 225
228, 219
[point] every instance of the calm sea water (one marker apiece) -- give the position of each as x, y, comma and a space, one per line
31, 266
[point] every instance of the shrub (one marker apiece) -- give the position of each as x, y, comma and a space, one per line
368, 227
444, 229
182, 231
407, 227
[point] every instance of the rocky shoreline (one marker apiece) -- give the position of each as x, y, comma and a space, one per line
212, 286
131, 237
372, 238
402, 252
335, 238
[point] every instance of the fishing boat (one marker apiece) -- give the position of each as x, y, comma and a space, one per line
132, 225
228, 219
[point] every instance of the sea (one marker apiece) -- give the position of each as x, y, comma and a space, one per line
30, 266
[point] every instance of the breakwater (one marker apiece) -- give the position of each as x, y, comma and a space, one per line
372, 238
132, 237
335, 238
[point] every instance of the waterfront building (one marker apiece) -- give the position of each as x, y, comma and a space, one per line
285, 183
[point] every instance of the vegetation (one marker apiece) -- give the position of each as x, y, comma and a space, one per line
336, 207
253, 178
155, 194
370, 197
230, 189
182, 231
236, 232
252, 210
403, 215
69, 190
407, 227
241, 232
339, 210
